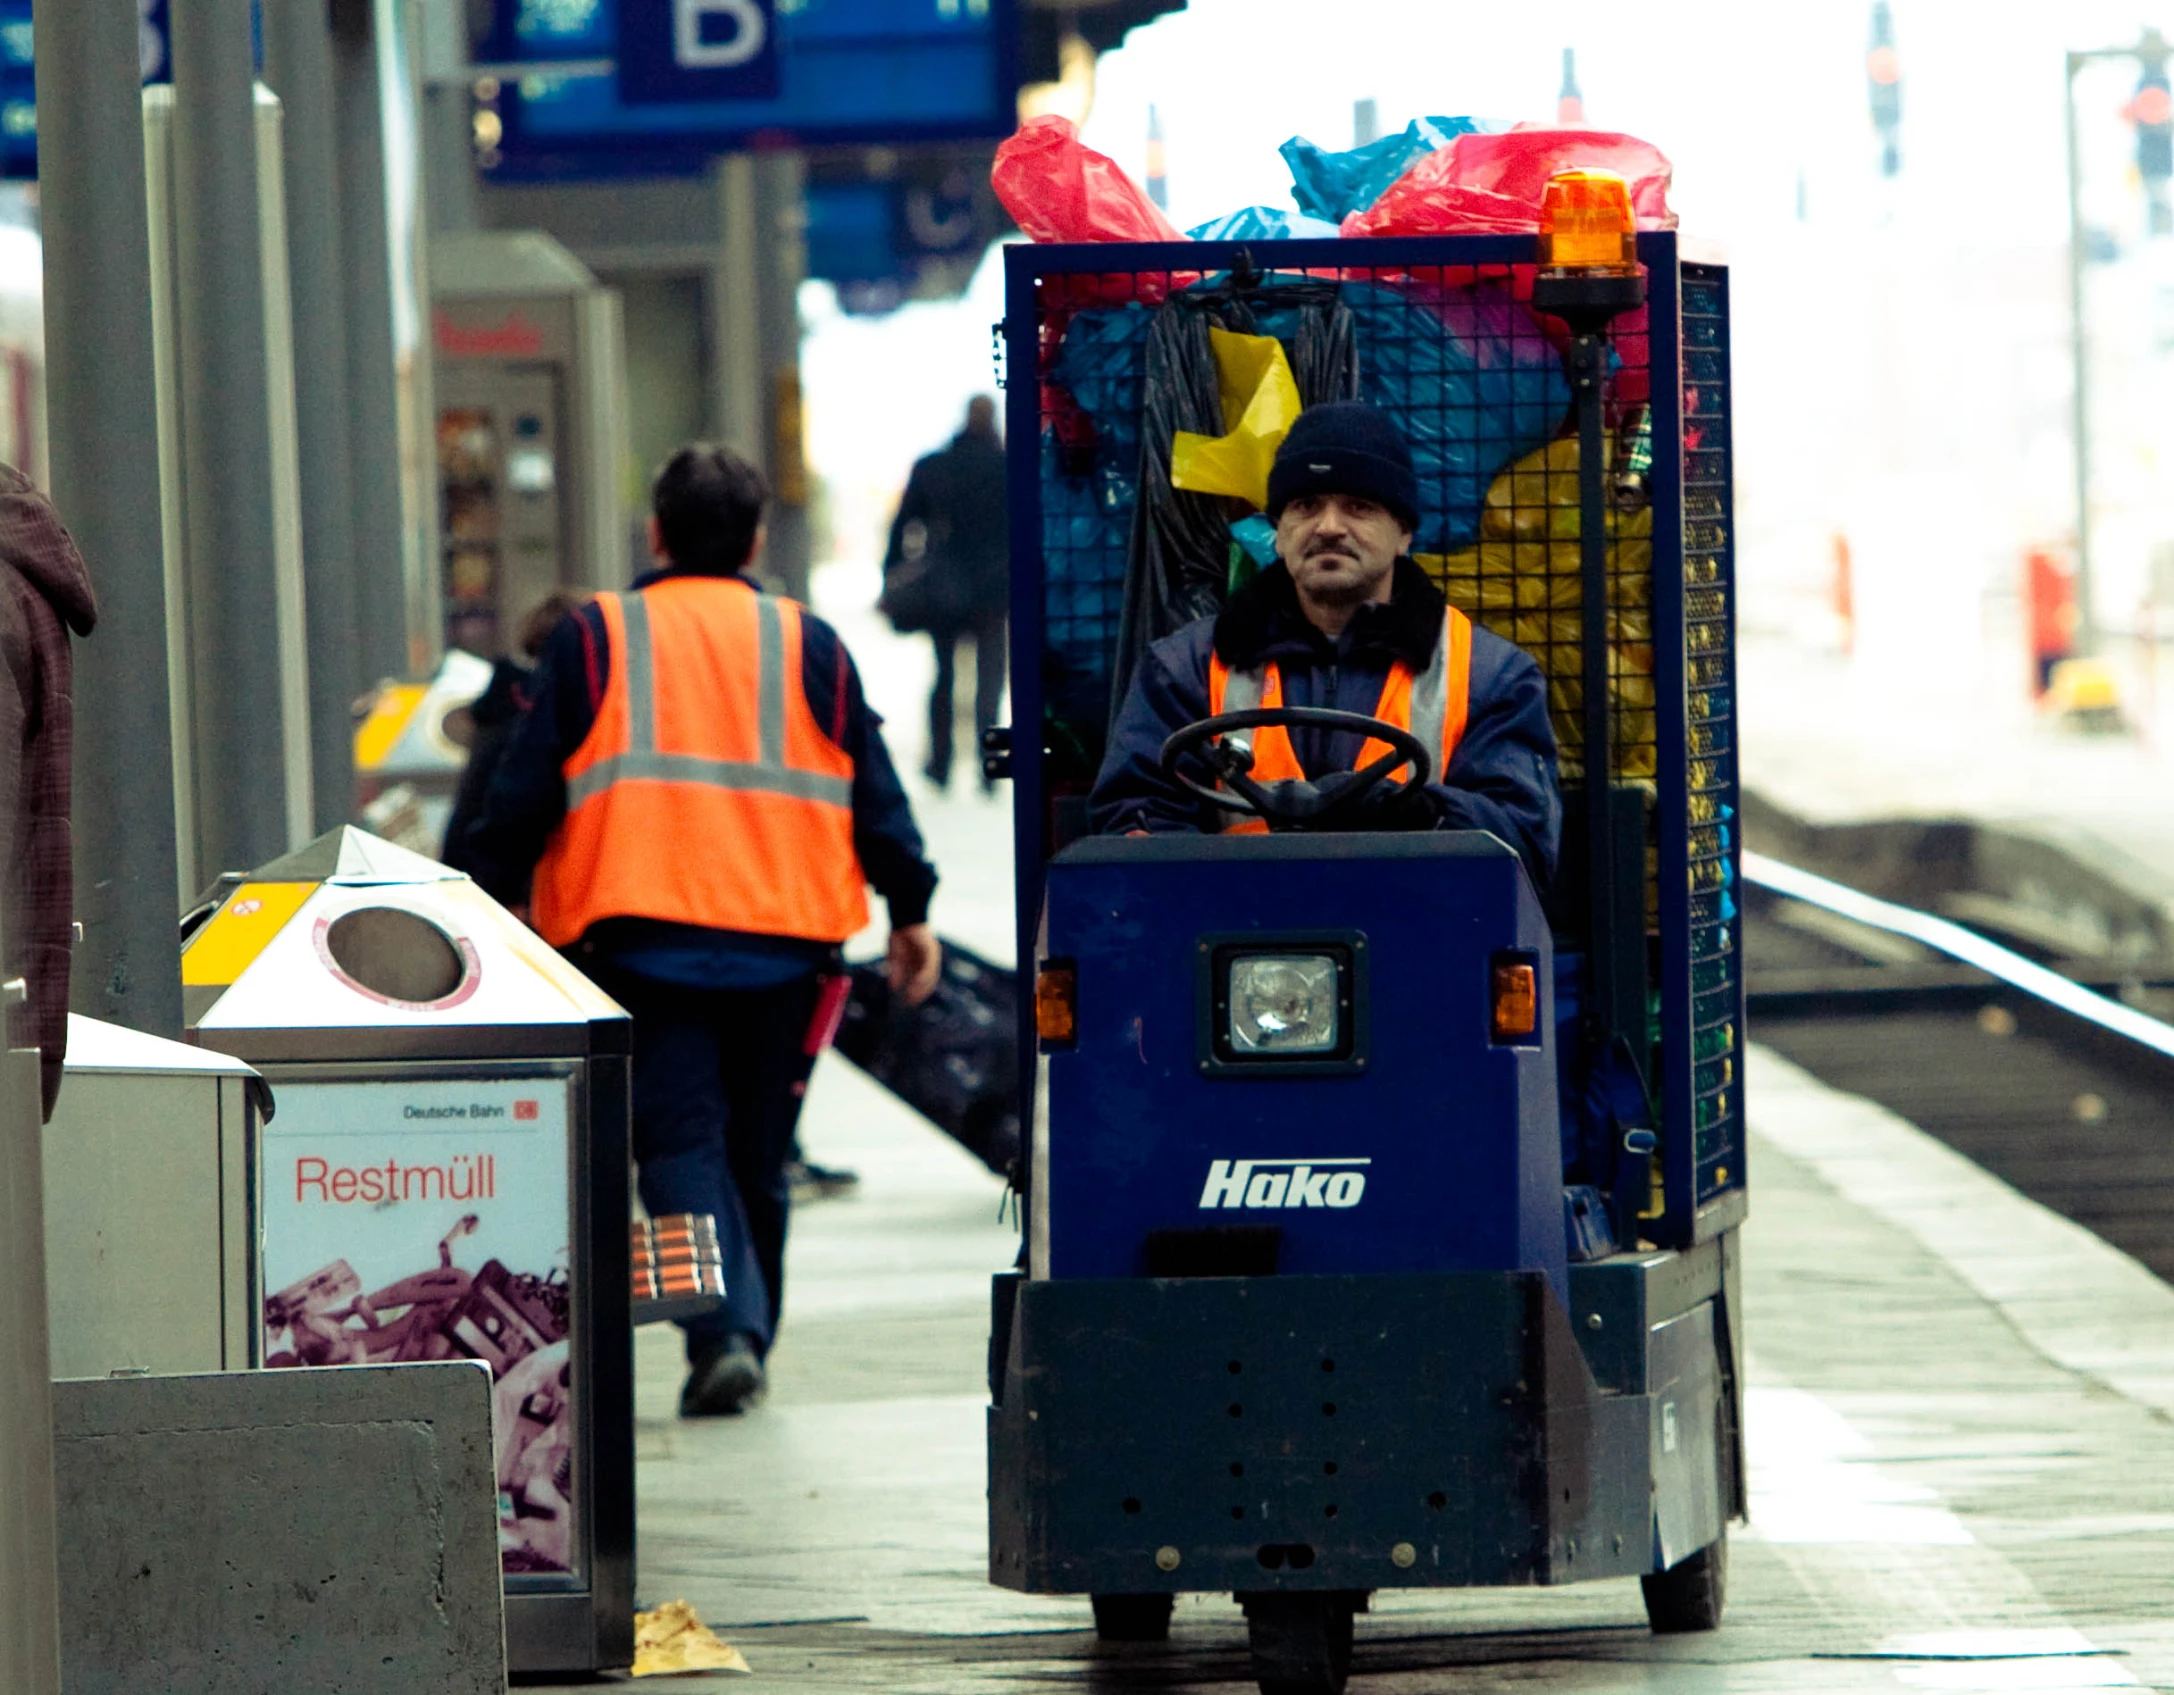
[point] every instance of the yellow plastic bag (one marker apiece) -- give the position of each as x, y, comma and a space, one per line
1523, 581
1260, 403
672, 1639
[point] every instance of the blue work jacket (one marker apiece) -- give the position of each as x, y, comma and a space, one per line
1502, 778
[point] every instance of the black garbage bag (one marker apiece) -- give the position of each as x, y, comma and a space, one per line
954, 1059
1179, 563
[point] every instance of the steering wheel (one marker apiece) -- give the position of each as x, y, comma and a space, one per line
1292, 803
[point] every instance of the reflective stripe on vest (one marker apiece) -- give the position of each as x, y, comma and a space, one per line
705, 793
768, 774
1433, 706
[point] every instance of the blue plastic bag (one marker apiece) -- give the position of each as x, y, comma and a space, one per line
1332, 186
1261, 223
1434, 359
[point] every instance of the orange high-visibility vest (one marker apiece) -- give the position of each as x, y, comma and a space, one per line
705, 792
1432, 705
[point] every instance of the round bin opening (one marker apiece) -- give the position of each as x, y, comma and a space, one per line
397, 954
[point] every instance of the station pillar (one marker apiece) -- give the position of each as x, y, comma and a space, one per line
389, 647
238, 739
755, 328
102, 425
781, 190
29, 1541
298, 63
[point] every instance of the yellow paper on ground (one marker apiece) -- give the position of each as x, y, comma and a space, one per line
1260, 403
673, 1639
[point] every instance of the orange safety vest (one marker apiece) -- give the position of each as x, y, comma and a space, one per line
1432, 705
705, 792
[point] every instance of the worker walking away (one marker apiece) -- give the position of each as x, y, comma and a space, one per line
1346, 620
949, 562
702, 796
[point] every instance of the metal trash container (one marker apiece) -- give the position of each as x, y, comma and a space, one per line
149, 1211
446, 1177
411, 748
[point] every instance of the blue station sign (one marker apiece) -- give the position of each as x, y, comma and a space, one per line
602, 87
697, 50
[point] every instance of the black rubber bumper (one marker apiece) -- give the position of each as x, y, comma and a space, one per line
1339, 1433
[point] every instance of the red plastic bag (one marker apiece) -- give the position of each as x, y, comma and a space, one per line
1057, 189
1495, 182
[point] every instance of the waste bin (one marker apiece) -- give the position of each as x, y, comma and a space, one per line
411, 748
149, 1211
446, 1177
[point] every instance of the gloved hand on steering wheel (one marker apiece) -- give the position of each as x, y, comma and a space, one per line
1364, 799
1396, 806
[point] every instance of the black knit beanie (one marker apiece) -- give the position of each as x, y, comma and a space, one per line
1346, 447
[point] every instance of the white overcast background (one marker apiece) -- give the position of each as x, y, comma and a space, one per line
1901, 346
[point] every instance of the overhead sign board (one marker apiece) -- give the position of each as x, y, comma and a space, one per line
916, 235
595, 89
19, 83
682, 50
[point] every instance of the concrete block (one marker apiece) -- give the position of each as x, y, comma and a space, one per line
332, 1530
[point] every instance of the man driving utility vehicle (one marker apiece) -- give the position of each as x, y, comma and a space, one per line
1347, 622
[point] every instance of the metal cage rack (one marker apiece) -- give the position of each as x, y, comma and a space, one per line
1107, 352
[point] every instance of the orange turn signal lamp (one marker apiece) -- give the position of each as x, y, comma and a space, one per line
1056, 1003
1586, 223
1514, 1001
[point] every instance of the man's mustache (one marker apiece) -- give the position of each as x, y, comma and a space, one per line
1342, 550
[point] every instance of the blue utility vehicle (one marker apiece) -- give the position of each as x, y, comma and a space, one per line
1381, 1207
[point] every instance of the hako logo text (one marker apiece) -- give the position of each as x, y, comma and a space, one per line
1264, 1183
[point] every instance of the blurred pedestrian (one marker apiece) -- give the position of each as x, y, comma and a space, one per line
950, 536
2049, 594
493, 714
702, 796
45, 593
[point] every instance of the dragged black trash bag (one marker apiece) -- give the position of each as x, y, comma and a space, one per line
954, 1059
1179, 563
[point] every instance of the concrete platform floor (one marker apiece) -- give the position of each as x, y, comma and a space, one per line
1959, 1484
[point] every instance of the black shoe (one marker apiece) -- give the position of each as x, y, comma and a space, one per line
938, 774
812, 1182
723, 1380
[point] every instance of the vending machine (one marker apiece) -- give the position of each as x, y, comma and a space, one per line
532, 439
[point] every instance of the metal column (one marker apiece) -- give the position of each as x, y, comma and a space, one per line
226, 441
2079, 353
29, 1577
373, 397
450, 193
781, 255
735, 311
298, 64
102, 423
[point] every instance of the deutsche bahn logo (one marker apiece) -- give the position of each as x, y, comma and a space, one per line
1262, 1183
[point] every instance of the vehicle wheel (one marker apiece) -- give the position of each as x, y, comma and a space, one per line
1690, 1594
1133, 1618
1301, 1643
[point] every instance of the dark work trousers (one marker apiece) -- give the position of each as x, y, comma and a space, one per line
988, 629
719, 1077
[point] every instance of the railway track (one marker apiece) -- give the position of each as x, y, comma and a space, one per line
2055, 1075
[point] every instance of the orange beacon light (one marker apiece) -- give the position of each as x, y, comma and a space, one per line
1586, 223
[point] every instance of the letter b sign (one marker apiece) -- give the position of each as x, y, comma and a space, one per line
718, 35
697, 50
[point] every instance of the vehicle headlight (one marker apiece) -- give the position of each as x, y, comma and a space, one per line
1284, 1003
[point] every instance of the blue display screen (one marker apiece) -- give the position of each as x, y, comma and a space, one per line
18, 93
18, 78
849, 71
